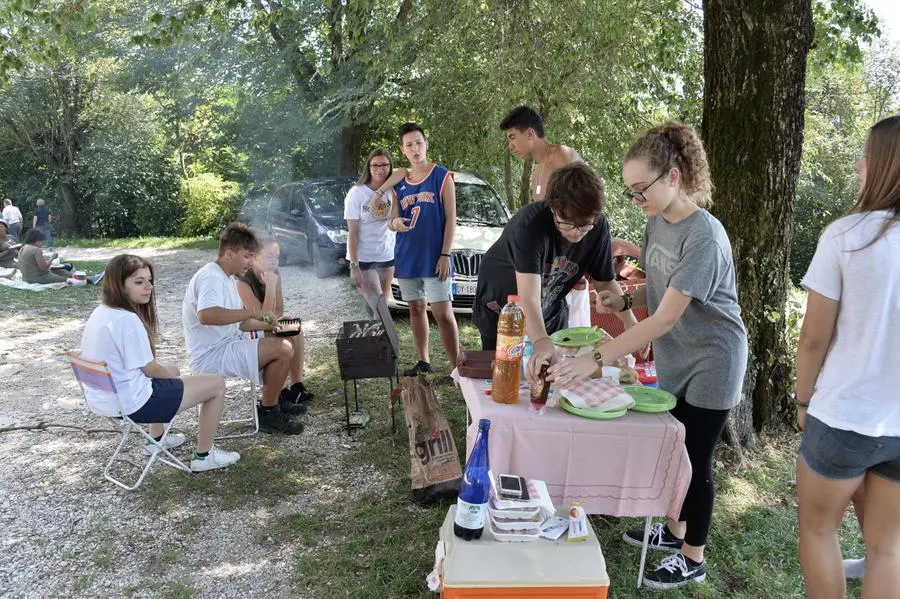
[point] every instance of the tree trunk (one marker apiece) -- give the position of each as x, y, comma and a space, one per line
525, 184
755, 71
348, 150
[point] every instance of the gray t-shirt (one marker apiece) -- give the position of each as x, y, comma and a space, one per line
704, 357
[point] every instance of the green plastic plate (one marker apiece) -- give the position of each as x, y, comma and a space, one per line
593, 414
578, 336
650, 399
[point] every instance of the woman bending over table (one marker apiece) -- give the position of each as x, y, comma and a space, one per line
847, 381
699, 339
122, 332
260, 289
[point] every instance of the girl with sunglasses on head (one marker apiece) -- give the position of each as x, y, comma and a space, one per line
122, 331
847, 395
260, 289
699, 340
370, 244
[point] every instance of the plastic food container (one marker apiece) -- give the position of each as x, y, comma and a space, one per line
519, 536
522, 513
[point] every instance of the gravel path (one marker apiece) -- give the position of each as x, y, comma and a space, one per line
66, 532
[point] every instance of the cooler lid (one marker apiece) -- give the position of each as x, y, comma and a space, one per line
487, 563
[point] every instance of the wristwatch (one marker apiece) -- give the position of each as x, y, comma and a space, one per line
354, 264
598, 357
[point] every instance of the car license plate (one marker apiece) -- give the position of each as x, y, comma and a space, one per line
464, 288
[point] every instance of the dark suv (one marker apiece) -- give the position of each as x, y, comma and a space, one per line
307, 219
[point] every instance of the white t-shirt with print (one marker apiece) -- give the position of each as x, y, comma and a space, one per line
210, 287
858, 388
376, 241
119, 338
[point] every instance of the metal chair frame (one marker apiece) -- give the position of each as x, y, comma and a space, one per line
252, 421
96, 375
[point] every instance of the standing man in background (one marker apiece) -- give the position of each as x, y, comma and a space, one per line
13, 218
41, 221
524, 130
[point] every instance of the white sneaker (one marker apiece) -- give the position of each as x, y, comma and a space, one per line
171, 440
217, 458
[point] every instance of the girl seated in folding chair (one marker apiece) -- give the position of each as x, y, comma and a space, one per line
122, 331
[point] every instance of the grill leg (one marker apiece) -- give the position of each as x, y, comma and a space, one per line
347, 407
391, 401
356, 395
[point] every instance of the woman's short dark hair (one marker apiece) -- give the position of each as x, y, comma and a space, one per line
34, 236
4, 225
576, 193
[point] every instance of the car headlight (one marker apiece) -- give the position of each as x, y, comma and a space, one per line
337, 235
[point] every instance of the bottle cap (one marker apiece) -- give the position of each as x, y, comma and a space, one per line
484, 423
512, 299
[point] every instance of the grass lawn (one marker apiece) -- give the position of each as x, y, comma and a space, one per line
162, 243
380, 546
58, 302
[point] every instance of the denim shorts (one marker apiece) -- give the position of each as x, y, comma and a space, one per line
432, 288
163, 403
840, 455
376, 265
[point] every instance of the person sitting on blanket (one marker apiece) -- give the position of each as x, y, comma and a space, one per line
36, 266
122, 331
218, 331
260, 289
7, 253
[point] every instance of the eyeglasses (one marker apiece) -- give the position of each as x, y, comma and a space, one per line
638, 196
564, 226
271, 257
380, 165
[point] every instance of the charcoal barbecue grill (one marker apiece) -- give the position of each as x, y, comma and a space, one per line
368, 349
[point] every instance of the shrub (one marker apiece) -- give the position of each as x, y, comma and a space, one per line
128, 181
210, 203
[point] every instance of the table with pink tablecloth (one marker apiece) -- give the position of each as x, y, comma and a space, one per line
635, 465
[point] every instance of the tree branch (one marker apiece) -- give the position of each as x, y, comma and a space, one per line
42, 426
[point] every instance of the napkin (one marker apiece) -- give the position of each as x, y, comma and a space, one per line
601, 395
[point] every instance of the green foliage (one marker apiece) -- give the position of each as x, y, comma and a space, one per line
210, 203
129, 181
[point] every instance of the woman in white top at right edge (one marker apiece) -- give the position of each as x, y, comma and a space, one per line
848, 381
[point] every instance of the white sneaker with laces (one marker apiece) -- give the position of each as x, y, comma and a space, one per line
217, 458
172, 440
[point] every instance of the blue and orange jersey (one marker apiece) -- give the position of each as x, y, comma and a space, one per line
417, 251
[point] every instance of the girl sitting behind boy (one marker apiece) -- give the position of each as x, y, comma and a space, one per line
122, 331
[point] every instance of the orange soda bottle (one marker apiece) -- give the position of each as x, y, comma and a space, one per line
510, 343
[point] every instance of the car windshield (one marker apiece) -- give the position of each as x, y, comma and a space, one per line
477, 203
327, 197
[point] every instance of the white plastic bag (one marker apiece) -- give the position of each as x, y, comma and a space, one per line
579, 301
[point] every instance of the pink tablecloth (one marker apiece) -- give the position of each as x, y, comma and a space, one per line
636, 465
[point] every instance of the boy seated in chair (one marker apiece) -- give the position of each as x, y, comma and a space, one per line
217, 326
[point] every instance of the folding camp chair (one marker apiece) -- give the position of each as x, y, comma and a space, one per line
252, 421
96, 375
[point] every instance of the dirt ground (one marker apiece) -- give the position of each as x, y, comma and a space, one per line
66, 532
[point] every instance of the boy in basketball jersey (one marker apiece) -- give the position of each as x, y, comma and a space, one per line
424, 217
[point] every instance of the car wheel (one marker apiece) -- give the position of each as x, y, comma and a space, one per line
323, 269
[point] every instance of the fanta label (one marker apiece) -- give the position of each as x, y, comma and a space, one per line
510, 349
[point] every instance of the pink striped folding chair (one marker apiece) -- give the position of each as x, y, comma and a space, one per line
96, 375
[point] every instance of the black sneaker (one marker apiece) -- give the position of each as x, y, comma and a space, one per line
290, 404
304, 393
661, 538
276, 421
421, 367
675, 571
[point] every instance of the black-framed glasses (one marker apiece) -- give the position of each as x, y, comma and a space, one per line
564, 226
638, 196
380, 165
